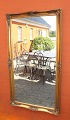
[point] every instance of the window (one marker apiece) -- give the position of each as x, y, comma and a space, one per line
43, 33
40, 32
19, 33
31, 33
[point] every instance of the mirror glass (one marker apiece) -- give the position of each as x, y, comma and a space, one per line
34, 59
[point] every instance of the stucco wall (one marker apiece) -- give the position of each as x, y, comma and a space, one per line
25, 33
8, 112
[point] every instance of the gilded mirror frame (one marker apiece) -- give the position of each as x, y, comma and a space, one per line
57, 13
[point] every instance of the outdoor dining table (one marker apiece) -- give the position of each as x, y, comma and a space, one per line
39, 60
42, 57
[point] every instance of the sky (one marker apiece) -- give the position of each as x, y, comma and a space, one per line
51, 20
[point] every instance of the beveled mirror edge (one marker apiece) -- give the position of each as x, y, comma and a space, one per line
55, 110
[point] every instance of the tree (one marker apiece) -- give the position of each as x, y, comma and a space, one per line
52, 34
42, 43
48, 44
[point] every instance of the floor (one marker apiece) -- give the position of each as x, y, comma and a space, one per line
34, 91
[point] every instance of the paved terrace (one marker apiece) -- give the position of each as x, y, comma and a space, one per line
34, 92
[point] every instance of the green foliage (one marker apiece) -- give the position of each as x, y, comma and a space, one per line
41, 43
52, 34
38, 43
48, 44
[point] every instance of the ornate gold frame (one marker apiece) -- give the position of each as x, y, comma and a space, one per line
57, 13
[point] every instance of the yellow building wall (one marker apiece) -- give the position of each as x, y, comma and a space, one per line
26, 42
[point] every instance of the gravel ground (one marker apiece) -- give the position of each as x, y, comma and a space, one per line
35, 92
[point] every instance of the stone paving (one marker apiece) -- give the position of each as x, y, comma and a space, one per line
34, 92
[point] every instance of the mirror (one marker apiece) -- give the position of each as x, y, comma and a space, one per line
35, 60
